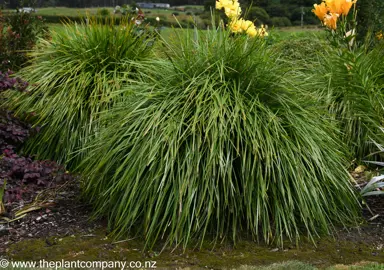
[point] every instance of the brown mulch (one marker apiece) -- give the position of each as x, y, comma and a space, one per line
62, 215
46, 193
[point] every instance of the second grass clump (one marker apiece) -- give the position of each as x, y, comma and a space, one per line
73, 77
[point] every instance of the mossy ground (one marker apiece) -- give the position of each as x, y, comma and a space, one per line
97, 246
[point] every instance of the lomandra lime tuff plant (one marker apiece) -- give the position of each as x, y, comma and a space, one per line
216, 140
73, 77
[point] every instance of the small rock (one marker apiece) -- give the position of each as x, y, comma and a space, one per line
360, 169
274, 250
3, 230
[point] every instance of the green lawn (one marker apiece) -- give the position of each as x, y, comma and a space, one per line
163, 14
277, 34
64, 11
287, 33
181, 16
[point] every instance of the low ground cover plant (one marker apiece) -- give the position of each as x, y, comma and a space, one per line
215, 140
73, 77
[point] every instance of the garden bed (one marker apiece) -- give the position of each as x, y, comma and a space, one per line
59, 227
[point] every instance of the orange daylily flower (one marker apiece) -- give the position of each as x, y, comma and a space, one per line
340, 6
347, 6
335, 6
320, 10
330, 20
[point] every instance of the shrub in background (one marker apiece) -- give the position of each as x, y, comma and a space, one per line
259, 15
19, 33
103, 12
276, 10
207, 17
371, 17
309, 17
213, 141
280, 21
73, 77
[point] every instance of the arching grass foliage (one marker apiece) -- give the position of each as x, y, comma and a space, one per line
73, 77
215, 140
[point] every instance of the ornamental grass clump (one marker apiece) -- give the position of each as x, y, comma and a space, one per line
214, 141
73, 77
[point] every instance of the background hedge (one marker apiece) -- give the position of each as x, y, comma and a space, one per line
370, 17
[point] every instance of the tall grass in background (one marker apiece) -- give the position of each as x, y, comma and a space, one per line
215, 140
73, 77
352, 88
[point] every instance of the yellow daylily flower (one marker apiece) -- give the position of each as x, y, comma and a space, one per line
262, 31
219, 5
380, 35
246, 25
252, 31
231, 8
236, 25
